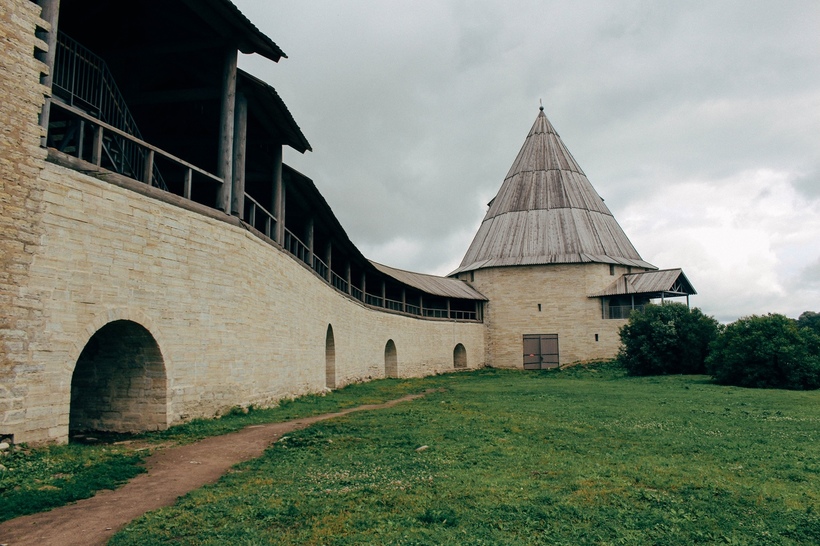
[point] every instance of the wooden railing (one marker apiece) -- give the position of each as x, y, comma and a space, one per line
256, 214
320, 267
100, 130
296, 247
82, 79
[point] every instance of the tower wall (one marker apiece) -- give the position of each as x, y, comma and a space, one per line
561, 290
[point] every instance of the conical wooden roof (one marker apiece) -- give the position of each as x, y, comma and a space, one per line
547, 212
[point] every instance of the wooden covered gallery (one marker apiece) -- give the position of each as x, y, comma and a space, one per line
150, 91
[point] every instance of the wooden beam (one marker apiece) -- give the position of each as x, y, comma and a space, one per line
226, 129
278, 205
186, 188
240, 144
329, 257
97, 146
309, 241
148, 168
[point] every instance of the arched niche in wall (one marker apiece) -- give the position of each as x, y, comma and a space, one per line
391, 360
459, 356
119, 383
330, 359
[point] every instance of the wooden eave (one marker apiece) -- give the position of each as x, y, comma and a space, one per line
266, 104
654, 284
126, 23
223, 14
432, 284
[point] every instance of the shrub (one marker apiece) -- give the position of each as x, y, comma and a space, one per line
666, 339
768, 351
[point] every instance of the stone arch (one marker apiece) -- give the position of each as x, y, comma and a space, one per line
119, 383
391, 360
459, 356
330, 359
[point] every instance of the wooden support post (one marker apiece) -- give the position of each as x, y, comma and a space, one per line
404, 300
448, 308
364, 286
421, 304
148, 168
81, 140
224, 168
240, 146
50, 13
278, 205
347, 276
96, 146
186, 190
309, 242
328, 258
384, 294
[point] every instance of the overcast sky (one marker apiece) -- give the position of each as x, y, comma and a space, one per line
698, 122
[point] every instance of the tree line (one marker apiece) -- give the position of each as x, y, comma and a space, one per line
761, 351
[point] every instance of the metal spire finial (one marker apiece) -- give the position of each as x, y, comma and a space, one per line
541, 107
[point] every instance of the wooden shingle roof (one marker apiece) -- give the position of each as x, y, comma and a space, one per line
432, 284
547, 212
670, 282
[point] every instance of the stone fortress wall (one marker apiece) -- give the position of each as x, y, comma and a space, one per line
158, 313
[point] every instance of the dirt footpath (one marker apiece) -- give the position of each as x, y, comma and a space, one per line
172, 472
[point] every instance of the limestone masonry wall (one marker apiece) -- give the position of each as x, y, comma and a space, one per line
21, 158
236, 320
560, 289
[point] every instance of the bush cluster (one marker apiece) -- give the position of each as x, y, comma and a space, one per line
667, 339
771, 351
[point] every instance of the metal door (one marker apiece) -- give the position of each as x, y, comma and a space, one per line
540, 351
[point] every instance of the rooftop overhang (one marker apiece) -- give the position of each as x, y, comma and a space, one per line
651, 284
267, 106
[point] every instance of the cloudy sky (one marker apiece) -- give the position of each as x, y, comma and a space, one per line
697, 121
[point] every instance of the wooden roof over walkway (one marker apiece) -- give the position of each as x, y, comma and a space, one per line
432, 284
547, 212
655, 284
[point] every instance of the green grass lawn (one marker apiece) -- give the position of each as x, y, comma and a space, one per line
34, 480
570, 457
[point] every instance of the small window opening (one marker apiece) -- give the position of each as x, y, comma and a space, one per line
472, 276
611, 269
596, 337
539, 307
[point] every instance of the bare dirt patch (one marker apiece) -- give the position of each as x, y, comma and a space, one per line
172, 472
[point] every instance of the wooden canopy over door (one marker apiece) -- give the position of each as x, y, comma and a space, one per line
540, 351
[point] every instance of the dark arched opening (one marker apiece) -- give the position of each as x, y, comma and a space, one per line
119, 382
391, 360
330, 359
459, 356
